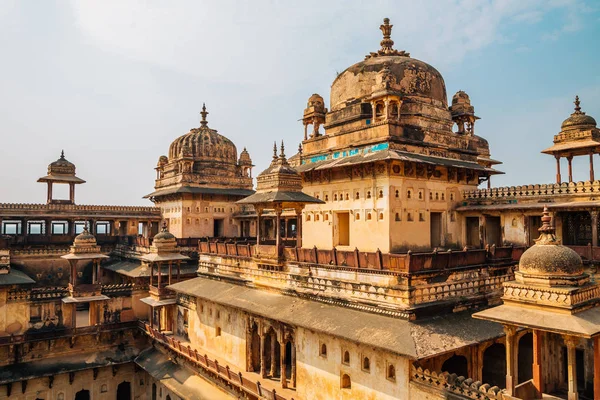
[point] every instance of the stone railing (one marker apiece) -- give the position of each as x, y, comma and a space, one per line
406, 262
80, 207
532, 191
212, 366
446, 291
457, 385
118, 288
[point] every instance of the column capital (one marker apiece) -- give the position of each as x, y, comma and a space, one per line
571, 341
510, 330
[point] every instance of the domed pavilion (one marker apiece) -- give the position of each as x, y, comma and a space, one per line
578, 136
554, 298
199, 181
385, 153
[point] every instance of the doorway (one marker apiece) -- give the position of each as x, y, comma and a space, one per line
494, 365
493, 231
473, 232
342, 230
82, 314
435, 225
82, 395
535, 222
218, 227
124, 391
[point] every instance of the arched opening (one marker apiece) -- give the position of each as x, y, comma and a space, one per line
255, 349
82, 395
154, 391
323, 350
525, 369
456, 365
379, 107
394, 111
366, 364
124, 391
346, 358
391, 372
346, 384
168, 397
494, 365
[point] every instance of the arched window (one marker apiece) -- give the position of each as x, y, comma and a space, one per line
154, 391
379, 107
345, 384
381, 194
456, 365
394, 111
380, 216
391, 372
347, 196
368, 216
346, 358
366, 364
437, 196
420, 195
443, 197
308, 217
316, 217
397, 193
357, 216
397, 216
430, 195
408, 194
335, 197
326, 197
326, 217
323, 350
357, 196
369, 194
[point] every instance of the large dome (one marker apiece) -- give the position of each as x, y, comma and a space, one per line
204, 143
412, 78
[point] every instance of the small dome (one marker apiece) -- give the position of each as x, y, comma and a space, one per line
461, 97
162, 160
204, 144
62, 166
164, 235
245, 158
85, 237
316, 101
578, 120
548, 258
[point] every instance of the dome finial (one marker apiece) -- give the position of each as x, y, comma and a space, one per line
577, 103
387, 42
204, 113
62, 154
274, 150
85, 228
282, 154
164, 226
300, 148
547, 230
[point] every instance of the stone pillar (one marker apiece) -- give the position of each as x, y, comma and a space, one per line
178, 271
258, 212
72, 193
597, 367
558, 178
49, 192
159, 274
305, 131
570, 160
282, 366
263, 366
277, 229
299, 228
151, 274
293, 364
511, 352
538, 376
273, 359
592, 167
571, 342
594, 215
94, 271
170, 271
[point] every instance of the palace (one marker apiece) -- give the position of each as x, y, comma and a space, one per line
368, 265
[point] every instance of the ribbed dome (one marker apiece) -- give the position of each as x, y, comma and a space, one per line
163, 235
62, 166
204, 144
578, 120
85, 237
547, 258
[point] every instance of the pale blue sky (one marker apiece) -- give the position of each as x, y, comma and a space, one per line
114, 82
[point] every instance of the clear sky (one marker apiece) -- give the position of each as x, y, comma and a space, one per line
114, 82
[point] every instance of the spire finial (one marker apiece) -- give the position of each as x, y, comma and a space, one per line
387, 42
274, 150
85, 228
164, 226
204, 113
62, 154
300, 148
282, 154
547, 231
577, 103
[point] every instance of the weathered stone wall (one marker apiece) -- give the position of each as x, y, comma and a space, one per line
103, 387
320, 376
